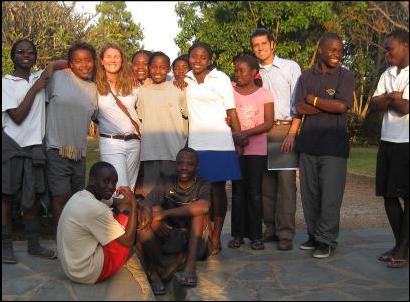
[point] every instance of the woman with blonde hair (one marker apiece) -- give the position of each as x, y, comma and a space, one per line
118, 120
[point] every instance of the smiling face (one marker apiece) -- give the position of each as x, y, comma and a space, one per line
180, 69
82, 63
111, 60
331, 53
140, 66
199, 60
159, 69
263, 49
244, 74
104, 183
186, 166
24, 56
396, 52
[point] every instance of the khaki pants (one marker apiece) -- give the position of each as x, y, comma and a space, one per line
279, 194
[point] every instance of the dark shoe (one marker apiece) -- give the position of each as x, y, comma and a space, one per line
257, 245
285, 245
7, 246
188, 279
309, 245
269, 235
322, 250
32, 230
42, 252
8, 255
235, 243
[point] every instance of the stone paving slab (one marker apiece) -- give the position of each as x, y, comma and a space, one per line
33, 278
352, 273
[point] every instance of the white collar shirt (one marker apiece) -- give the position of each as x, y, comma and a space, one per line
395, 126
281, 78
207, 103
31, 131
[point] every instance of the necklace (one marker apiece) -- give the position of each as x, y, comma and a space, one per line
185, 189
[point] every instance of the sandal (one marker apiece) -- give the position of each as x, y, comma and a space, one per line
216, 248
235, 243
257, 245
158, 287
387, 256
398, 263
188, 279
176, 266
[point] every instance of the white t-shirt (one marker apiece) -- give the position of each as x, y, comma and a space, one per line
31, 130
395, 126
85, 226
112, 120
207, 104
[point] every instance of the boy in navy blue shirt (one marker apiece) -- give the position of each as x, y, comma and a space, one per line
323, 95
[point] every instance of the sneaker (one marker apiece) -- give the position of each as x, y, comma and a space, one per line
309, 245
8, 255
42, 252
322, 250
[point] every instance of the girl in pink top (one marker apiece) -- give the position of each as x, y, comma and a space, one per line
254, 106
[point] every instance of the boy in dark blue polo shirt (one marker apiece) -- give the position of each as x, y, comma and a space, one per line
323, 95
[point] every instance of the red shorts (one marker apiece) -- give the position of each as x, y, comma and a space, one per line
115, 254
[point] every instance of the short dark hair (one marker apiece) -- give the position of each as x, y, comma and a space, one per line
189, 150
81, 45
159, 54
141, 51
14, 48
399, 34
329, 36
262, 32
184, 57
98, 166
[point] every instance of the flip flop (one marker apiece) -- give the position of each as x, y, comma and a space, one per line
158, 288
216, 249
235, 243
398, 263
386, 256
188, 279
177, 265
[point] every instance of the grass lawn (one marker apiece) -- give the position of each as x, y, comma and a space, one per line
93, 155
362, 159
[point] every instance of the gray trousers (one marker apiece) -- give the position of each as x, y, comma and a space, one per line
322, 184
279, 202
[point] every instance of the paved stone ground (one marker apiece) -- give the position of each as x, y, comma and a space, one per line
352, 273
34, 278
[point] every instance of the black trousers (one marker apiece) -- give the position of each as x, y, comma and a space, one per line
246, 219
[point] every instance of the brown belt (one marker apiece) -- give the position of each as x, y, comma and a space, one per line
282, 122
119, 136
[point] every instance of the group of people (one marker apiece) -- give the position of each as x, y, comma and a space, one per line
168, 146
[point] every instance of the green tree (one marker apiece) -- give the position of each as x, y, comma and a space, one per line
115, 25
50, 25
226, 26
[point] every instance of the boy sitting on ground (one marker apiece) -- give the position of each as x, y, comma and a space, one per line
92, 242
180, 222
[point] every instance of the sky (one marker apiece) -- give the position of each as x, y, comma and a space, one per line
157, 19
